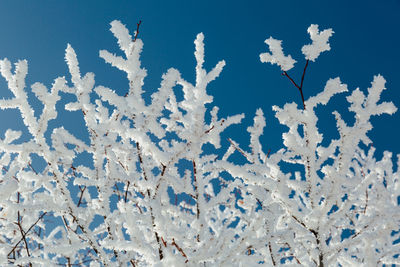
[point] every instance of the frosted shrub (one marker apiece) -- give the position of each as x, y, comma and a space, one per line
151, 195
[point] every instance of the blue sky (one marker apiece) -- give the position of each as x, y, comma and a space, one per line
366, 42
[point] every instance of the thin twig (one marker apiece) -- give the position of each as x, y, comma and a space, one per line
163, 169
140, 210
304, 73
272, 255
5, 169
267, 156
116, 186
165, 243
196, 190
206, 132
29, 229
239, 150
260, 203
269, 151
160, 252
137, 30
301, 83
22, 234
80, 198
366, 201
141, 162
179, 249
290, 79
30, 165
126, 192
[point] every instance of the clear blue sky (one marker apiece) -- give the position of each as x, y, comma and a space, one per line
366, 42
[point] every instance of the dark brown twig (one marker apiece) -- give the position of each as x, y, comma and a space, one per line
267, 156
260, 203
29, 229
290, 79
366, 201
23, 234
30, 165
116, 186
141, 162
140, 210
239, 150
206, 132
179, 249
301, 83
137, 30
81, 196
163, 169
73, 170
5, 169
126, 192
272, 255
304, 73
196, 189
269, 151
165, 243
160, 252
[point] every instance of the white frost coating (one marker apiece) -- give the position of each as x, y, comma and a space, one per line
72, 62
276, 56
122, 35
319, 42
157, 187
5, 69
332, 87
8, 188
341, 186
11, 136
199, 53
374, 93
16, 84
255, 132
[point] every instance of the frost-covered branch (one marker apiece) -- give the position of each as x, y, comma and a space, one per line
151, 194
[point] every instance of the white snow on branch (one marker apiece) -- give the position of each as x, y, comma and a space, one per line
161, 185
277, 56
319, 42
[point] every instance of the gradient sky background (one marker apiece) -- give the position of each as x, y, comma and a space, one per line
366, 42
